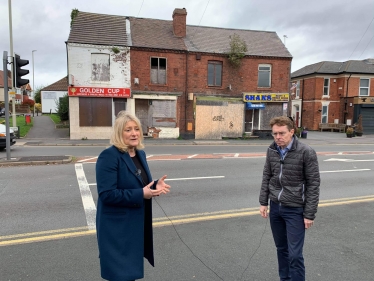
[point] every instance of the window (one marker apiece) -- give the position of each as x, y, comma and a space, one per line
298, 88
324, 114
95, 112
158, 71
326, 87
100, 67
214, 73
264, 74
364, 87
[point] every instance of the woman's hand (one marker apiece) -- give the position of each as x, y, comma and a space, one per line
148, 193
162, 186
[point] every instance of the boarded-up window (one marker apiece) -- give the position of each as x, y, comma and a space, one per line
100, 67
214, 73
119, 104
95, 112
164, 113
158, 71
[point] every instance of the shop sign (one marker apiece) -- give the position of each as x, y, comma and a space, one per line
249, 105
99, 92
268, 97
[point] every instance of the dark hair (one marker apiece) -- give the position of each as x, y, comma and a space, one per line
283, 121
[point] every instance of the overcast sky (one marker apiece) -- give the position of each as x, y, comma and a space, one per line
318, 30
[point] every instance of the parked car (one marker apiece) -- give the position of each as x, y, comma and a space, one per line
2, 111
3, 137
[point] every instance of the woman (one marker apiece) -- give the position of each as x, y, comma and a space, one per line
124, 208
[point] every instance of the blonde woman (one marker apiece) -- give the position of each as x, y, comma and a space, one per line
124, 208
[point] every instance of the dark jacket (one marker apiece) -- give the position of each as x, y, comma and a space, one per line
124, 218
293, 181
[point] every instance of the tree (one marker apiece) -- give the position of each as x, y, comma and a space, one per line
37, 95
63, 108
238, 48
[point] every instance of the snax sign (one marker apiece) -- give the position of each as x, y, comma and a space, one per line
99, 92
268, 97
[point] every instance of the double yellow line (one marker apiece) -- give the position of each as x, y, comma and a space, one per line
58, 234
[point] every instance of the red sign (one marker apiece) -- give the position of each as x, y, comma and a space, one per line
99, 92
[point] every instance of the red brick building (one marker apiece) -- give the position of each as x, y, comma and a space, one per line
334, 92
181, 79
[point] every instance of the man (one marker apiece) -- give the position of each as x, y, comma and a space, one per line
291, 181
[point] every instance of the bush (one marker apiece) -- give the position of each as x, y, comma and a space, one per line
63, 108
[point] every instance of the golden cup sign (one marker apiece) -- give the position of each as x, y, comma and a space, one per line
268, 97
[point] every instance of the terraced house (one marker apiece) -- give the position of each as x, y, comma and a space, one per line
178, 79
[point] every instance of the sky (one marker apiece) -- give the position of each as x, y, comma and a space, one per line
318, 30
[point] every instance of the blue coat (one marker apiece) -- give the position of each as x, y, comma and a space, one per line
124, 218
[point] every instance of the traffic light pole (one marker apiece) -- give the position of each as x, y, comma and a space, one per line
12, 58
6, 99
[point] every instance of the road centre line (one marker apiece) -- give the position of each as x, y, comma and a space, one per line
87, 199
343, 171
160, 222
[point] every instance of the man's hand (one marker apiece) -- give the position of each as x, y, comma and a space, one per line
264, 211
308, 223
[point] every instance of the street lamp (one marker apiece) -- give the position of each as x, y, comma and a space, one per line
33, 85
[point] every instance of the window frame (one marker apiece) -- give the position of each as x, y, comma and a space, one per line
269, 71
297, 92
325, 115
361, 87
326, 87
215, 63
158, 71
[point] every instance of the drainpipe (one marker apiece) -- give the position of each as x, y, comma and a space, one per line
346, 100
302, 105
186, 96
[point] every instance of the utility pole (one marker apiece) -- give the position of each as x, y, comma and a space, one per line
33, 85
12, 62
6, 100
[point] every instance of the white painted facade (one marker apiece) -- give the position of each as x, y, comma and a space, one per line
80, 70
50, 99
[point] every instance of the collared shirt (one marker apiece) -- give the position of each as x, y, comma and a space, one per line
284, 151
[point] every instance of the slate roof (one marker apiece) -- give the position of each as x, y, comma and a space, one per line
217, 40
330, 67
100, 29
60, 85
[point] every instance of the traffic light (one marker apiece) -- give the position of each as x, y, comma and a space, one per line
19, 72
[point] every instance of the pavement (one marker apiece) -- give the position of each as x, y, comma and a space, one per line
44, 133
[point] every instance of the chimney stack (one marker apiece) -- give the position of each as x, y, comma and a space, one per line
179, 22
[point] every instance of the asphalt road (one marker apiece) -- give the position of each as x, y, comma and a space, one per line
217, 233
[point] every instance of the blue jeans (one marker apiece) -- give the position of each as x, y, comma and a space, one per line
287, 225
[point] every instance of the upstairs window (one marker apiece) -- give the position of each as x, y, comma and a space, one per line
264, 75
158, 71
100, 67
298, 88
326, 87
214, 73
364, 87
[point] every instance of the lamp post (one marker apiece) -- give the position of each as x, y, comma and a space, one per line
33, 85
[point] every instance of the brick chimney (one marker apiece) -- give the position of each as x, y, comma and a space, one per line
179, 22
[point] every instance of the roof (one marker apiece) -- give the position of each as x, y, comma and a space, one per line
100, 29
60, 85
330, 67
2, 80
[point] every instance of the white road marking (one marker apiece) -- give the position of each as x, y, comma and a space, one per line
192, 156
88, 159
236, 155
348, 160
343, 171
87, 199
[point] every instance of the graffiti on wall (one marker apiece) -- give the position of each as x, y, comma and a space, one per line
218, 118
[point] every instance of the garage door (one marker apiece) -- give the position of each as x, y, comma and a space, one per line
368, 120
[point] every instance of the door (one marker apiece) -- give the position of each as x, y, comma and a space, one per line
141, 111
